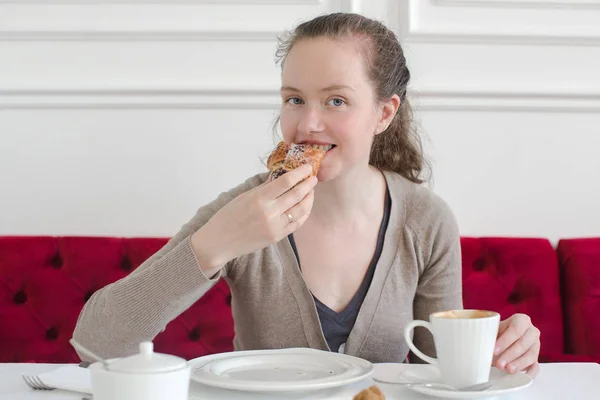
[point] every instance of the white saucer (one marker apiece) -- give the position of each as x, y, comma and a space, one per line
282, 370
414, 378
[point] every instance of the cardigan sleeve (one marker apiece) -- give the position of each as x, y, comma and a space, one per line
139, 306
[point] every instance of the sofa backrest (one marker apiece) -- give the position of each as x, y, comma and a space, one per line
515, 275
580, 273
45, 281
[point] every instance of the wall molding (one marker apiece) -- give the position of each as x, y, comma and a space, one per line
506, 100
158, 2
544, 4
424, 36
429, 99
135, 34
418, 31
138, 36
352, 6
133, 98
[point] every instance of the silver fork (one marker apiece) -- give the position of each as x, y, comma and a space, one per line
36, 383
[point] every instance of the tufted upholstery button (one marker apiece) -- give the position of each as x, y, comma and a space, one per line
20, 297
194, 335
514, 298
56, 261
52, 333
480, 264
126, 264
45, 280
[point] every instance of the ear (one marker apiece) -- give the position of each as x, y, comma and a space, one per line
387, 112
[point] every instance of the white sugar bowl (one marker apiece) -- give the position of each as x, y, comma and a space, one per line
143, 376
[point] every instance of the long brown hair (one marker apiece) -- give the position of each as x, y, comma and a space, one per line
399, 147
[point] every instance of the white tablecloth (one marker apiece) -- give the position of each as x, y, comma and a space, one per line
572, 381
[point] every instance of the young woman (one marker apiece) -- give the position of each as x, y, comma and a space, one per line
339, 263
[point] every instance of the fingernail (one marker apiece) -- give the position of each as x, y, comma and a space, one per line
497, 350
502, 364
511, 369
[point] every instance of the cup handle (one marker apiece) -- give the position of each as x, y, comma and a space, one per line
408, 330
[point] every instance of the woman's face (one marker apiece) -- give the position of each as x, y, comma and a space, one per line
328, 100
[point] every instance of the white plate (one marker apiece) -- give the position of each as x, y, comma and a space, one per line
279, 370
502, 383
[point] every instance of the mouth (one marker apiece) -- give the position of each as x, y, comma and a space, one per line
319, 146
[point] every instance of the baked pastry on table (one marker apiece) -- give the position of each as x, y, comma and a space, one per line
288, 157
371, 393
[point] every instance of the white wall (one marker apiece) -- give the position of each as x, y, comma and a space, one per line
122, 119
510, 98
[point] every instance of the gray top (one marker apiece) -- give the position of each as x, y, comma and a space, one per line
337, 326
419, 272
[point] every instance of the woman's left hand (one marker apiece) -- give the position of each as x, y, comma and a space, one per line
518, 346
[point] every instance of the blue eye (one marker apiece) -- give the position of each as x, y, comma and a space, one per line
295, 101
337, 102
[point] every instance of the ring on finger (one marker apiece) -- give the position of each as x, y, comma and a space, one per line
289, 216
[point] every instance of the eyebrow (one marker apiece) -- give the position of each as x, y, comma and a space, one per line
327, 89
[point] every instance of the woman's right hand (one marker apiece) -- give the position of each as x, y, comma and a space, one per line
255, 219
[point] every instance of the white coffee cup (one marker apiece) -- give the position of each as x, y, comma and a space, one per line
464, 342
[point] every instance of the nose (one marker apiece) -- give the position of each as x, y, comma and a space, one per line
311, 121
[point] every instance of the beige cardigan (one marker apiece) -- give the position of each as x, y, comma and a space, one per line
419, 272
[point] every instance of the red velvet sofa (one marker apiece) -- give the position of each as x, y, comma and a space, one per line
45, 281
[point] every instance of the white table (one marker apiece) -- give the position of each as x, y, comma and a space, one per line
568, 381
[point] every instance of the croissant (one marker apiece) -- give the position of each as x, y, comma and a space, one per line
288, 157
371, 393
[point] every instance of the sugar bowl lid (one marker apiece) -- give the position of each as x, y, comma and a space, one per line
147, 362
